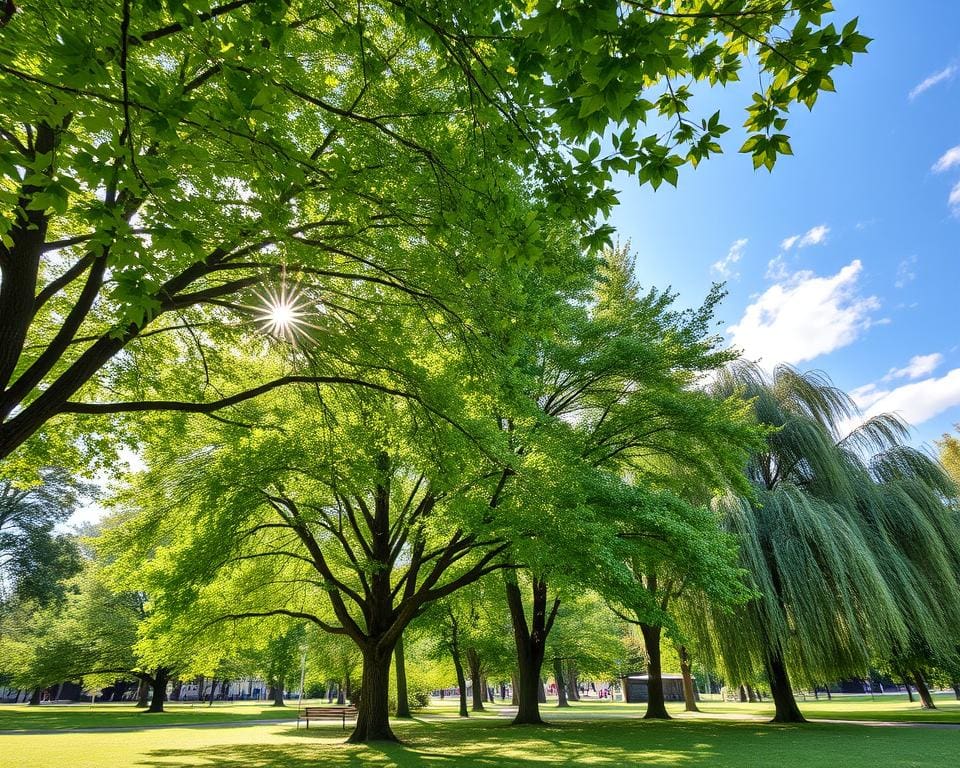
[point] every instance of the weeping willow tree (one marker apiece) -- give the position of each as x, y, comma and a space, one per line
847, 540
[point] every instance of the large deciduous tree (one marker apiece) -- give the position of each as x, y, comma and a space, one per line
160, 160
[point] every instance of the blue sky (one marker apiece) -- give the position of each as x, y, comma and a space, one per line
847, 257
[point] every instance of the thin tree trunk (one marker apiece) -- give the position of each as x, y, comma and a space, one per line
143, 691
213, 687
751, 694
476, 679
573, 685
35, 697
403, 700
485, 688
514, 687
561, 683
461, 679
743, 694
159, 685
542, 691
373, 715
906, 684
926, 699
689, 694
342, 690
786, 709
656, 705
956, 689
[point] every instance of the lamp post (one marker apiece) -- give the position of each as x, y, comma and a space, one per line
303, 675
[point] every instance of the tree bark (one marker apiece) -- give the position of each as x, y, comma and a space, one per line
786, 709
906, 684
926, 699
35, 697
656, 705
751, 694
689, 694
159, 685
573, 684
561, 683
531, 645
278, 694
542, 691
476, 679
956, 689
742, 693
143, 691
514, 687
403, 700
373, 716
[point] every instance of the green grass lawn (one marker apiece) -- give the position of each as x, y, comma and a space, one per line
492, 742
21, 717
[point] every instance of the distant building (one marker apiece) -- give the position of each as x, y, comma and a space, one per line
636, 688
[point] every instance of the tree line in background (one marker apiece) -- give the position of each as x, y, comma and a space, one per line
338, 275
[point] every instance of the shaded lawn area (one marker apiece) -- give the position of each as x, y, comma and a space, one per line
494, 743
895, 708
21, 717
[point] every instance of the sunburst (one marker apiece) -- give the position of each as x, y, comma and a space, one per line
282, 314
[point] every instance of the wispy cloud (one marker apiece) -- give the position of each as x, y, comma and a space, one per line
947, 160
947, 73
725, 267
814, 236
905, 272
916, 402
805, 316
919, 365
950, 159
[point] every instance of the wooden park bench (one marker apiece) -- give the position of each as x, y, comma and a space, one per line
327, 713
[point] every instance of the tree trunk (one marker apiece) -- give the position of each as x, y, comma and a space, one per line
542, 691
278, 694
906, 684
143, 690
689, 694
487, 697
35, 697
573, 685
786, 709
373, 715
159, 685
742, 692
403, 700
476, 679
213, 687
461, 684
926, 699
531, 645
656, 705
514, 687
956, 689
342, 691
561, 683
751, 694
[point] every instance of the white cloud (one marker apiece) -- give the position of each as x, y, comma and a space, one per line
919, 365
916, 402
947, 160
804, 317
813, 236
724, 267
777, 269
936, 78
954, 198
905, 273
